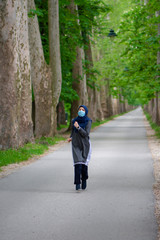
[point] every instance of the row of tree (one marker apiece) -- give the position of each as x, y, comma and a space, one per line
36, 53
55, 55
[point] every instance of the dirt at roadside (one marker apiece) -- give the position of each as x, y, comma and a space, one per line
154, 145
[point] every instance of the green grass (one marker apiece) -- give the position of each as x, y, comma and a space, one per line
29, 150
49, 140
98, 123
153, 125
62, 126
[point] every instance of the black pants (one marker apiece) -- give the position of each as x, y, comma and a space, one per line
80, 173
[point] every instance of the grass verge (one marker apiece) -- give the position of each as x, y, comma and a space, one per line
153, 125
29, 150
98, 123
63, 126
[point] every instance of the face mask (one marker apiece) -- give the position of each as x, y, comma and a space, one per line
81, 113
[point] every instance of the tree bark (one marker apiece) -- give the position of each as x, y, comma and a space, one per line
99, 112
92, 105
103, 99
16, 126
109, 100
77, 74
94, 95
79, 78
55, 59
41, 80
155, 102
158, 62
115, 106
61, 116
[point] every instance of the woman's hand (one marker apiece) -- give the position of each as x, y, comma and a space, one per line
76, 124
69, 139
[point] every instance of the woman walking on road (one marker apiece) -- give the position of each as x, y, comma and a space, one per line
81, 146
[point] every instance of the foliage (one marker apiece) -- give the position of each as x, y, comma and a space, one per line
91, 15
130, 61
74, 29
42, 6
63, 126
140, 52
134, 49
69, 39
34, 12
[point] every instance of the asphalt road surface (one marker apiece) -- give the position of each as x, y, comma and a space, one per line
39, 202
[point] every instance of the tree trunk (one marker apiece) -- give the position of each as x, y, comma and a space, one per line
158, 62
77, 74
79, 78
155, 101
153, 106
61, 116
94, 98
100, 115
92, 106
41, 80
15, 84
109, 100
115, 106
84, 84
103, 99
55, 59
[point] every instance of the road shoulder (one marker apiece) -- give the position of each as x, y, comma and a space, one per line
154, 146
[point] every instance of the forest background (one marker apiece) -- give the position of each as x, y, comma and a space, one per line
56, 55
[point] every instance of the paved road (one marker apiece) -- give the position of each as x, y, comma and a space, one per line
38, 202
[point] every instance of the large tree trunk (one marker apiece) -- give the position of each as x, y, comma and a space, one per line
15, 85
121, 104
77, 74
159, 108
91, 91
109, 100
115, 106
155, 114
61, 115
154, 108
94, 96
79, 78
41, 80
103, 99
92, 101
158, 62
55, 59
84, 84
99, 115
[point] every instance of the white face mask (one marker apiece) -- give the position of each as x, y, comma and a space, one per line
81, 113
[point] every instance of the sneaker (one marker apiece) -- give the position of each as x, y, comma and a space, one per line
78, 186
84, 184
